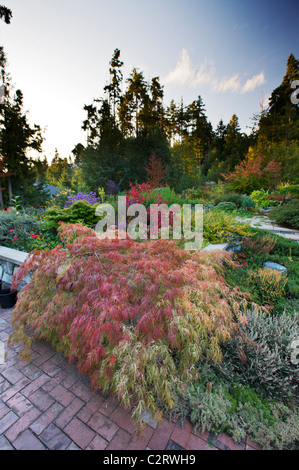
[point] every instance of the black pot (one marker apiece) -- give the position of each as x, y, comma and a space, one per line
8, 298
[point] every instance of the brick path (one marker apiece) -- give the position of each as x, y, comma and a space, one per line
47, 404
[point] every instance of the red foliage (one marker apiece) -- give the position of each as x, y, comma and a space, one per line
253, 174
155, 172
136, 316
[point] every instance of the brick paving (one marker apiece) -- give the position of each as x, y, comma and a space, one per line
45, 404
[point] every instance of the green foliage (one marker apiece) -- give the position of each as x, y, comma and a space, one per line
268, 285
62, 196
234, 198
24, 232
262, 358
247, 203
78, 212
226, 206
219, 226
286, 214
239, 411
261, 198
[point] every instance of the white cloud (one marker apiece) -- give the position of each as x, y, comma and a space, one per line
254, 82
228, 84
185, 73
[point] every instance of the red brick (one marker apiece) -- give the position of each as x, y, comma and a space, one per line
96, 401
51, 384
50, 368
109, 406
86, 413
224, 442
140, 441
22, 424
161, 435
39, 425
82, 391
252, 444
69, 412
3, 409
103, 426
63, 396
120, 441
19, 404
123, 419
196, 443
181, 435
27, 441
66, 379
31, 371
44, 357
3, 387
7, 421
79, 433
11, 391
54, 438
98, 443
33, 386
4, 444
41, 399
12, 375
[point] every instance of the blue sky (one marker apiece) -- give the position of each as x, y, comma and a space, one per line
231, 52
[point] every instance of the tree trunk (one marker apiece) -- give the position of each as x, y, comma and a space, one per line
1, 200
9, 189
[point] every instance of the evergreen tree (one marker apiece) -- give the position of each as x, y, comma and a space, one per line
5, 14
114, 88
232, 142
16, 135
281, 121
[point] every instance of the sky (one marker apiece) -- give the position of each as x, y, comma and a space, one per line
232, 53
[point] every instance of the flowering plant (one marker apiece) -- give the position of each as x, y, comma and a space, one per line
91, 198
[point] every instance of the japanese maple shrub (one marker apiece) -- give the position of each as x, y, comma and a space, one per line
136, 317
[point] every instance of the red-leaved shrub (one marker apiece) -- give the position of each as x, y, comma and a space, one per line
136, 317
253, 174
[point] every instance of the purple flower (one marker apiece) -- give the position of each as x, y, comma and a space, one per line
91, 198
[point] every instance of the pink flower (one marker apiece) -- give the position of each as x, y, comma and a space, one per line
14, 238
11, 230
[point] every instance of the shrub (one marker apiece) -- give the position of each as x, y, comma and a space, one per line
230, 197
24, 232
263, 358
226, 206
136, 317
260, 198
247, 203
61, 198
219, 226
239, 411
292, 190
286, 214
252, 174
269, 285
259, 245
79, 212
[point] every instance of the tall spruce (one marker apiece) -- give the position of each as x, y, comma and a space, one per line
16, 135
